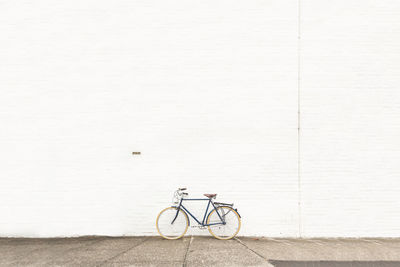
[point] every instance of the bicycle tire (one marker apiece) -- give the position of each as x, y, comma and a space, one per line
169, 230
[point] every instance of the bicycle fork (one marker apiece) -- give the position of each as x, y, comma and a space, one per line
176, 216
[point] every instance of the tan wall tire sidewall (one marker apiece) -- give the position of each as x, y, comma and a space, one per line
221, 238
173, 238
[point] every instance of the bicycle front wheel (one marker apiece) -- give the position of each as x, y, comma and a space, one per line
224, 231
172, 223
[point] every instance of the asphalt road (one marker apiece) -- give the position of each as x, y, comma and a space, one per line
335, 263
199, 251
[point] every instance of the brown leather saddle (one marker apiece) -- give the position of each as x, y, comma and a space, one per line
210, 195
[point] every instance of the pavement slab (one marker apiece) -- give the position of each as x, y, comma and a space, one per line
200, 251
207, 251
153, 251
337, 249
71, 251
21, 251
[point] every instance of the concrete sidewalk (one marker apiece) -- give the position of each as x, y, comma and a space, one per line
195, 251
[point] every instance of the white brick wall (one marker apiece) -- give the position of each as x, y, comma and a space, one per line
208, 92
350, 118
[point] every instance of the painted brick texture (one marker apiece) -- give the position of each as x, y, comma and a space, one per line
350, 118
208, 93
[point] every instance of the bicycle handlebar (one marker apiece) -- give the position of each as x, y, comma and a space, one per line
182, 189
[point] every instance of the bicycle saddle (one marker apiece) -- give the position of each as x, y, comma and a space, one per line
210, 195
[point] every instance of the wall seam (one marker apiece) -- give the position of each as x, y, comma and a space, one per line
298, 117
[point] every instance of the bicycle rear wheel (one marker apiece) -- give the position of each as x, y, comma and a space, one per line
232, 223
169, 228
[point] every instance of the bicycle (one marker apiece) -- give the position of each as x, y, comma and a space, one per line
223, 221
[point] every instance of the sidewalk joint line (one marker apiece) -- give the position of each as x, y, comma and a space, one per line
187, 252
123, 252
255, 252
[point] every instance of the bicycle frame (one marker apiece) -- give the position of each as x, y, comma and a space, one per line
181, 207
